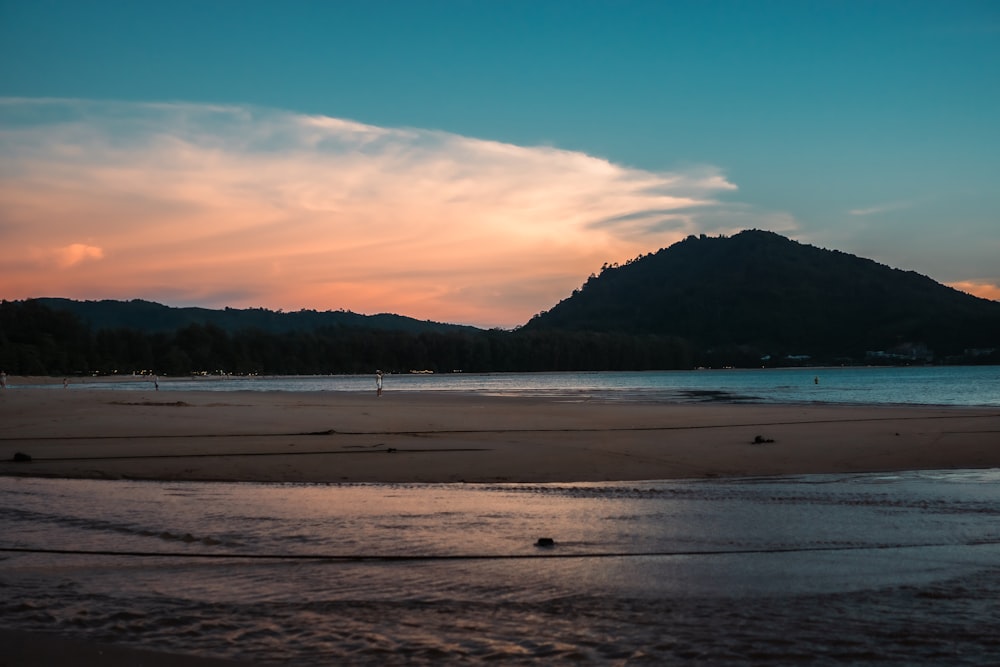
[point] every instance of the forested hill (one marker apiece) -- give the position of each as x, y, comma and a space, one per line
766, 294
151, 317
754, 299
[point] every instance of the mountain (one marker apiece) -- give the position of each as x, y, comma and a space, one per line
765, 294
744, 300
150, 317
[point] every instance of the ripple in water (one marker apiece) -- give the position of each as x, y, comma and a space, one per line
828, 569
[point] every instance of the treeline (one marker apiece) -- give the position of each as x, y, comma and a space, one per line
37, 340
149, 316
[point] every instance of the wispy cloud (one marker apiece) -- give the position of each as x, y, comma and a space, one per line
882, 208
76, 253
982, 289
226, 205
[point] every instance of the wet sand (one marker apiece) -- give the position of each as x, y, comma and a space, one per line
446, 437
36, 649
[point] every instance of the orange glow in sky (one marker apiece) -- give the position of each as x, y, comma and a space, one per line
982, 290
196, 205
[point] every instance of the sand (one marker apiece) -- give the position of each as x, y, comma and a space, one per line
37, 649
444, 437
448, 437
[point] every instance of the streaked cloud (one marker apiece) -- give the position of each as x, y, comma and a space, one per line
75, 253
982, 289
233, 206
881, 208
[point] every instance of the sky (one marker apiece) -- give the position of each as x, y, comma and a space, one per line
474, 161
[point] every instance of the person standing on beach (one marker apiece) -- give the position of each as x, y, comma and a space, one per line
378, 383
3, 379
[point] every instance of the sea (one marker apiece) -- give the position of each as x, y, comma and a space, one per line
861, 569
870, 385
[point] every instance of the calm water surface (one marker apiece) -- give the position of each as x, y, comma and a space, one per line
819, 569
925, 385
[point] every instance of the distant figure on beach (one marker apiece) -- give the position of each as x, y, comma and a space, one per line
378, 383
156, 382
816, 380
3, 379
65, 382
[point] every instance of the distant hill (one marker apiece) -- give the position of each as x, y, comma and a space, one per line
752, 299
150, 317
764, 294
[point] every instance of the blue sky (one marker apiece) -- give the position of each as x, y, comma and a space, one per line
869, 127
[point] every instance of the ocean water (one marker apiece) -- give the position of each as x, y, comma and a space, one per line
917, 385
817, 570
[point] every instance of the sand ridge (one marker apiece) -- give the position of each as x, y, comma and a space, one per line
453, 437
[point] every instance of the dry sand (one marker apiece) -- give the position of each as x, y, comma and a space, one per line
446, 437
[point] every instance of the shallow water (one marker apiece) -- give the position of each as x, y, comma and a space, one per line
817, 569
922, 385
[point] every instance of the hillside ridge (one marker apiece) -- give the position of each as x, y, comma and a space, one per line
769, 294
152, 317
750, 300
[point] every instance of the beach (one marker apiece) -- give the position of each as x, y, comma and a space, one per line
407, 438
451, 437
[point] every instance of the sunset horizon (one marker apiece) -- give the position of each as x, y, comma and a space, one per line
475, 163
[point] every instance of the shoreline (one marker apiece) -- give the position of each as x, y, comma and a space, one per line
436, 437
441, 437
